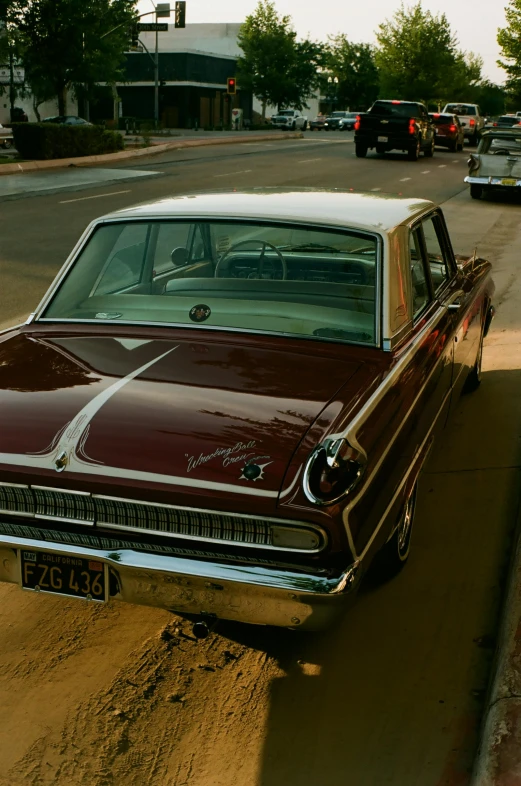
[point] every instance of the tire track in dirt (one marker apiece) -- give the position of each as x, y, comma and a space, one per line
176, 712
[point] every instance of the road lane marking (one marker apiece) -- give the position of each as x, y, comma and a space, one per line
426, 171
229, 174
456, 161
309, 160
376, 189
442, 166
96, 196
403, 179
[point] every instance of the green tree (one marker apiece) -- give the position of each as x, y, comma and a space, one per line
418, 57
275, 67
71, 44
509, 39
355, 68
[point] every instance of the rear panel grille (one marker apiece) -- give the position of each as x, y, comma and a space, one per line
112, 513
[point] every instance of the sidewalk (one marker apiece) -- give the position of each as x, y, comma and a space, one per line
161, 144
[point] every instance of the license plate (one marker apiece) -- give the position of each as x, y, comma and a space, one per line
61, 575
508, 181
440, 133
383, 138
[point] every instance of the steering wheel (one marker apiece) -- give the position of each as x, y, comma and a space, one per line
223, 265
502, 151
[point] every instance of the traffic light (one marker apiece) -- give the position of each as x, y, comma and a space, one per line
231, 86
180, 13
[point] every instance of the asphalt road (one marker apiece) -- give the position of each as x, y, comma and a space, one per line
391, 695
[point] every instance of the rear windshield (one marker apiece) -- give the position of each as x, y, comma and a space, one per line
508, 119
442, 120
287, 112
238, 275
497, 145
401, 109
459, 109
338, 114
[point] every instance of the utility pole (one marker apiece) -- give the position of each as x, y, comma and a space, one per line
162, 10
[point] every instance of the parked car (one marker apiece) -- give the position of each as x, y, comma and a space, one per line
333, 120
470, 118
223, 404
449, 131
395, 125
290, 120
6, 138
347, 123
67, 120
318, 123
496, 165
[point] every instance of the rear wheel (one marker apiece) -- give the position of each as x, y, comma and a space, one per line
380, 149
414, 152
393, 556
474, 139
459, 147
454, 147
429, 152
360, 151
476, 191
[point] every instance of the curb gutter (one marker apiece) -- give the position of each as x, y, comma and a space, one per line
31, 166
498, 762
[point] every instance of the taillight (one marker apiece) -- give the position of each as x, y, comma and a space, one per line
333, 470
412, 125
473, 163
357, 123
472, 122
452, 128
494, 125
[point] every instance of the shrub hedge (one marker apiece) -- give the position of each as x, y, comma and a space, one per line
54, 140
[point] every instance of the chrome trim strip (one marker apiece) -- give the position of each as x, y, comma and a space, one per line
238, 543
219, 514
204, 328
10, 329
53, 488
15, 485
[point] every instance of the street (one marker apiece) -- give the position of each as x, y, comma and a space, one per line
393, 694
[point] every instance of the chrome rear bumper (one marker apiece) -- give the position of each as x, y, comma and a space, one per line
246, 593
493, 181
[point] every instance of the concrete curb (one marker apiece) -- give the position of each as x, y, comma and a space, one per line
32, 166
498, 762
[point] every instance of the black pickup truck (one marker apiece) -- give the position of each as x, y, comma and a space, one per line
395, 125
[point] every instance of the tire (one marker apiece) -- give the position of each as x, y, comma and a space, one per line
392, 557
414, 152
380, 149
454, 147
305, 126
430, 150
473, 380
360, 151
459, 147
476, 191
293, 127
474, 139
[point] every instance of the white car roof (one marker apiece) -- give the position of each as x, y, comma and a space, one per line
369, 212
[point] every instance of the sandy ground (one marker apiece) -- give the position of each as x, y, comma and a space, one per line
125, 696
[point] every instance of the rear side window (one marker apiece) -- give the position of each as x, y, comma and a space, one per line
436, 256
458, 109
419, 279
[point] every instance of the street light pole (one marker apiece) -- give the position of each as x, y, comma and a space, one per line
156, 81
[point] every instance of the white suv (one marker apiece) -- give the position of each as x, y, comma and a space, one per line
470, 118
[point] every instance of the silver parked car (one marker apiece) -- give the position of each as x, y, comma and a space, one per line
497, 162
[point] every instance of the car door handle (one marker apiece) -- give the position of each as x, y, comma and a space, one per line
450, 304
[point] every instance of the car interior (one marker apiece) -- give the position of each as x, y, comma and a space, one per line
251, 276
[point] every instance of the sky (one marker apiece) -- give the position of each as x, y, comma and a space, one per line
474, 23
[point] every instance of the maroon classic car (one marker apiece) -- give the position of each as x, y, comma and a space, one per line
223, 404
